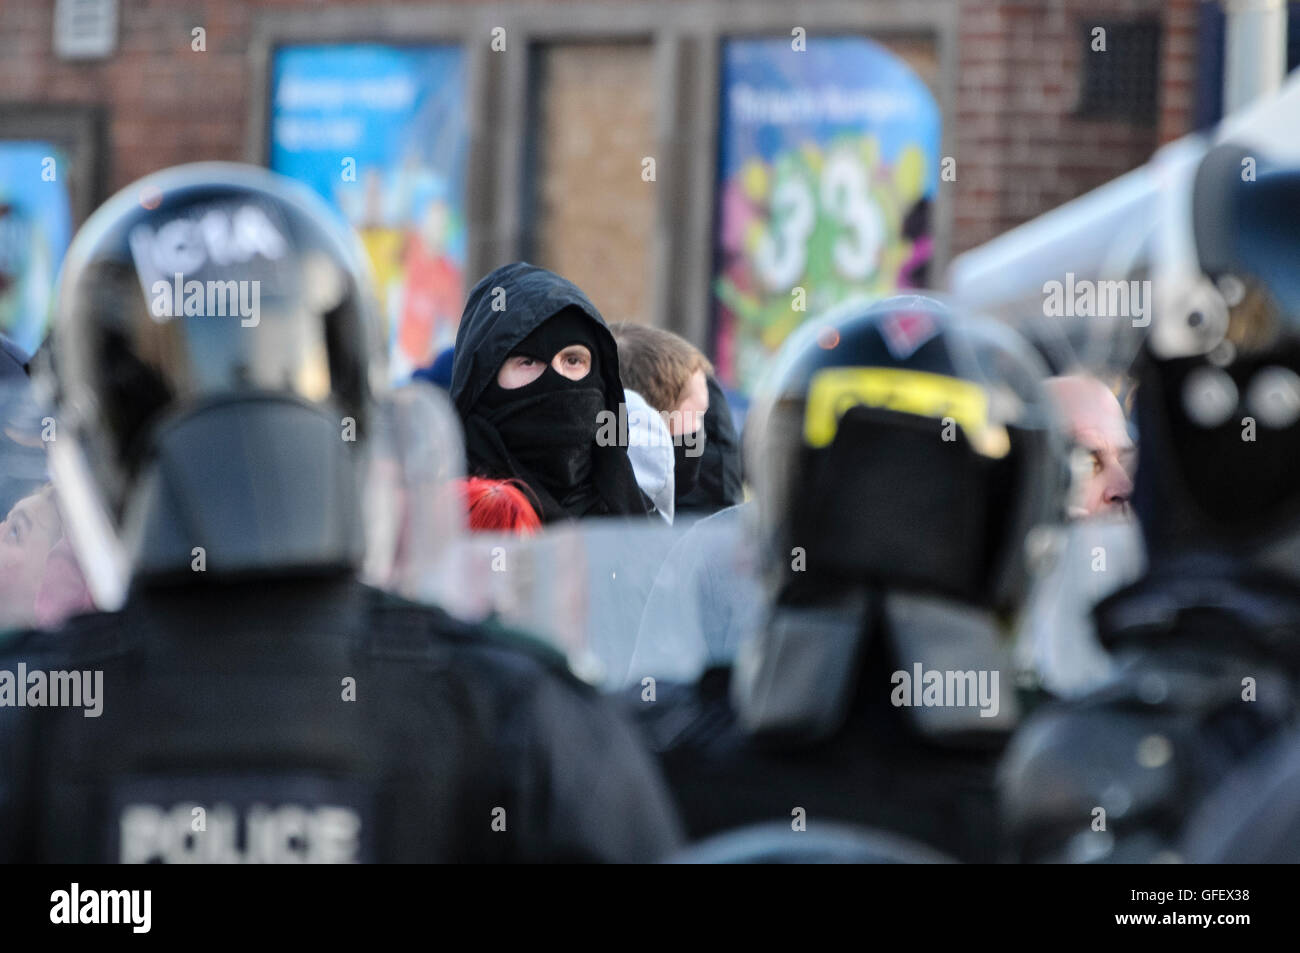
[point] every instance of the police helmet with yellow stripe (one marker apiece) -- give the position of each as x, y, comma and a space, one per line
901, 445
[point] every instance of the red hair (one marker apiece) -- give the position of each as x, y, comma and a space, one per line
499, 506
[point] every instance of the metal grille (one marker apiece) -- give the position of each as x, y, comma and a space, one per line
1121, 82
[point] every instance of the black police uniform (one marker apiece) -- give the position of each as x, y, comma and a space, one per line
880, 770
1207, 643
251, 700
451, 742
1207, 671
890, 542
1254, 816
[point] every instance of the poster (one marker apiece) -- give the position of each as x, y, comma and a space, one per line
381, 132
35, 228
828, 165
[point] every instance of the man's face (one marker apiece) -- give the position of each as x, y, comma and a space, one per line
27, 535
1096, 424
688, 416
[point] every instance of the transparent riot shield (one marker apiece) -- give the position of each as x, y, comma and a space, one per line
1079, 566
623, 599
413, 514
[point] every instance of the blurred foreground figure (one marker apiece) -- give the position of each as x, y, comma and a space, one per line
1254, 816
1206, 644
22, 454
901, 456
40, 583
251, 700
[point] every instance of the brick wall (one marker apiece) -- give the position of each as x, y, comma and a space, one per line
166, 104
1178, 69
1019, 149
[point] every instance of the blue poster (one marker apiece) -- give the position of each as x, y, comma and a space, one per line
828, 165
380, 131
35, 228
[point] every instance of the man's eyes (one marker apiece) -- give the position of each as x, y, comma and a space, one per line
1097, 464
569, 360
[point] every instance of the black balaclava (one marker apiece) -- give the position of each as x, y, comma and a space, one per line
547, 433
687, 460
719, 484
549, 425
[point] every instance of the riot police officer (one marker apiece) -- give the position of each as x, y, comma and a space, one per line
248, 698
902, 455
1206, 644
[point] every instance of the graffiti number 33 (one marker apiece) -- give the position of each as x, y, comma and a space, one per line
782, 252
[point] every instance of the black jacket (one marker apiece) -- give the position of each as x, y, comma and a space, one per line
1176, 718
721, 483
234, 698
877, 770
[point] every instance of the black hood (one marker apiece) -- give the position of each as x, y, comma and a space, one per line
505, 307
720, 484
529, 295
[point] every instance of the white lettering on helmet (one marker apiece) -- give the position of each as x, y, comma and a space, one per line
220, 236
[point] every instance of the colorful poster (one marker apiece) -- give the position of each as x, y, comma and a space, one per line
35, 228
381, 132
828, 165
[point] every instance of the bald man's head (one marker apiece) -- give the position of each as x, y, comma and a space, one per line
1096, 423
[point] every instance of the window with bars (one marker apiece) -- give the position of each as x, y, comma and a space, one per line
1120, 82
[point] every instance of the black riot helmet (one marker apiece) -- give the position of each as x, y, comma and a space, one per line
212, 368
899, 446
1218, 402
